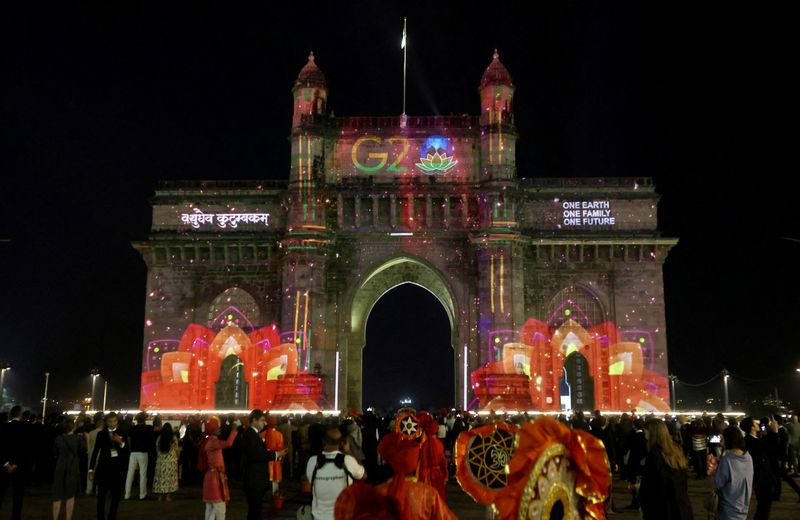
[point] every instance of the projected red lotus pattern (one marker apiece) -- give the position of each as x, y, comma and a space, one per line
529, 375
243, 370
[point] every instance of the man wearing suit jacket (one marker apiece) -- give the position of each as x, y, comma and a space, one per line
17, 459
255, 463
107, 466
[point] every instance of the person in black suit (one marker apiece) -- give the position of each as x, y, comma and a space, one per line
255, 463
107, 466
17, 459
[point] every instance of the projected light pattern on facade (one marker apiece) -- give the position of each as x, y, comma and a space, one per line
374, 202
570, 367
227, 369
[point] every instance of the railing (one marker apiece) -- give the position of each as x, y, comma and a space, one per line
240, 184
356, 123
587, 182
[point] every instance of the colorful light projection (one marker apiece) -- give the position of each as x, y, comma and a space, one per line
227, 369
531, 373
433, 155
372, 154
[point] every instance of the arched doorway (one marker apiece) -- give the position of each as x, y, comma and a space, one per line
578, 383
383, 278
408, 353
230, 390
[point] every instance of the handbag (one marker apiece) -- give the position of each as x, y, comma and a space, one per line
304, 512
711, 502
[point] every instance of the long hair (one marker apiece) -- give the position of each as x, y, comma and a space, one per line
165, 438
660, 439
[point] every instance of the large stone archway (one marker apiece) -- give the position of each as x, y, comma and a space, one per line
374, 202
383, 278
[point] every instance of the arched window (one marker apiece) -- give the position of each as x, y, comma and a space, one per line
233, 306
575, 303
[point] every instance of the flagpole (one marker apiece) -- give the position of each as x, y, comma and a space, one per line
405, 54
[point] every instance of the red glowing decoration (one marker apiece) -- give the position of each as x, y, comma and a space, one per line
612, 372
230, 369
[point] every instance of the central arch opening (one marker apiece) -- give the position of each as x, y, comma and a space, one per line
408, 352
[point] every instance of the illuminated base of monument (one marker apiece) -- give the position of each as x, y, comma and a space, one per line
567, 368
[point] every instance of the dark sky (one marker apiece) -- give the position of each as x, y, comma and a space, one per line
98, 104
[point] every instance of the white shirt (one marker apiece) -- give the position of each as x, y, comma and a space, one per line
329, 482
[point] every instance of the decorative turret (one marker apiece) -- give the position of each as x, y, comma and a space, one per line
498, 134
310, 92
497, 94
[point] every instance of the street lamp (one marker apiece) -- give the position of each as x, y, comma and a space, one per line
672, 380
105, 393
725, 376
44, 399
3, 368
95, 372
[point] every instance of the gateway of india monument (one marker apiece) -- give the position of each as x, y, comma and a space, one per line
258, 292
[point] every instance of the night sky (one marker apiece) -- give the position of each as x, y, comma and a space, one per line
97, 105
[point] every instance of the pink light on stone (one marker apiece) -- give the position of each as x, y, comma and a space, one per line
236, 310
153, 344
576, 306
647, 346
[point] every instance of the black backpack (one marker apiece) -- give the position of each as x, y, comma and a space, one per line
338, 461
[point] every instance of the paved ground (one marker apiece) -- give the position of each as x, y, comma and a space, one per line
188, 506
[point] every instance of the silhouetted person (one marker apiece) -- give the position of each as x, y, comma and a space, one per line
763, 479
107, 466
255, 464
17, 459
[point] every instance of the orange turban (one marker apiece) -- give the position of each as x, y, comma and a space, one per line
212, 425
401, 454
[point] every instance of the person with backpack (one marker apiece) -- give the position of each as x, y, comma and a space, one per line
211, 462
330, 473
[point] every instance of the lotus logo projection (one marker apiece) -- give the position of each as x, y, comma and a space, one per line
436, 155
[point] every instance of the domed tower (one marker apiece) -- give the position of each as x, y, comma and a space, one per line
310, 93
307, 171
498, 133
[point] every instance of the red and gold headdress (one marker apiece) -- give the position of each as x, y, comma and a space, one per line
554, 467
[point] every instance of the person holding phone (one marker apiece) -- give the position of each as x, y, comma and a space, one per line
733, 476
108, 465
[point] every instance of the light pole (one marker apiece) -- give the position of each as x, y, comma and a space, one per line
725, 376
3, 367
672, 379
44, 399
95, 372
105, 394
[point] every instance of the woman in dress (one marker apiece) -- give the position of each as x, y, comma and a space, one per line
166, 476
67, 476
215, 482
664, 492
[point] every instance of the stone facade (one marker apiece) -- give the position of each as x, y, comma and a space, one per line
372, 203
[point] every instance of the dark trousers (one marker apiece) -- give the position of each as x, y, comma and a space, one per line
699, 458
16, 481
255, 501
763, 502
113, 484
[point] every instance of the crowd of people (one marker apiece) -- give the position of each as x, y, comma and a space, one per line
361, 465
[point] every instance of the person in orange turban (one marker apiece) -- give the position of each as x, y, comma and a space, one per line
274, 441
403, 497
215, 482
432, 461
